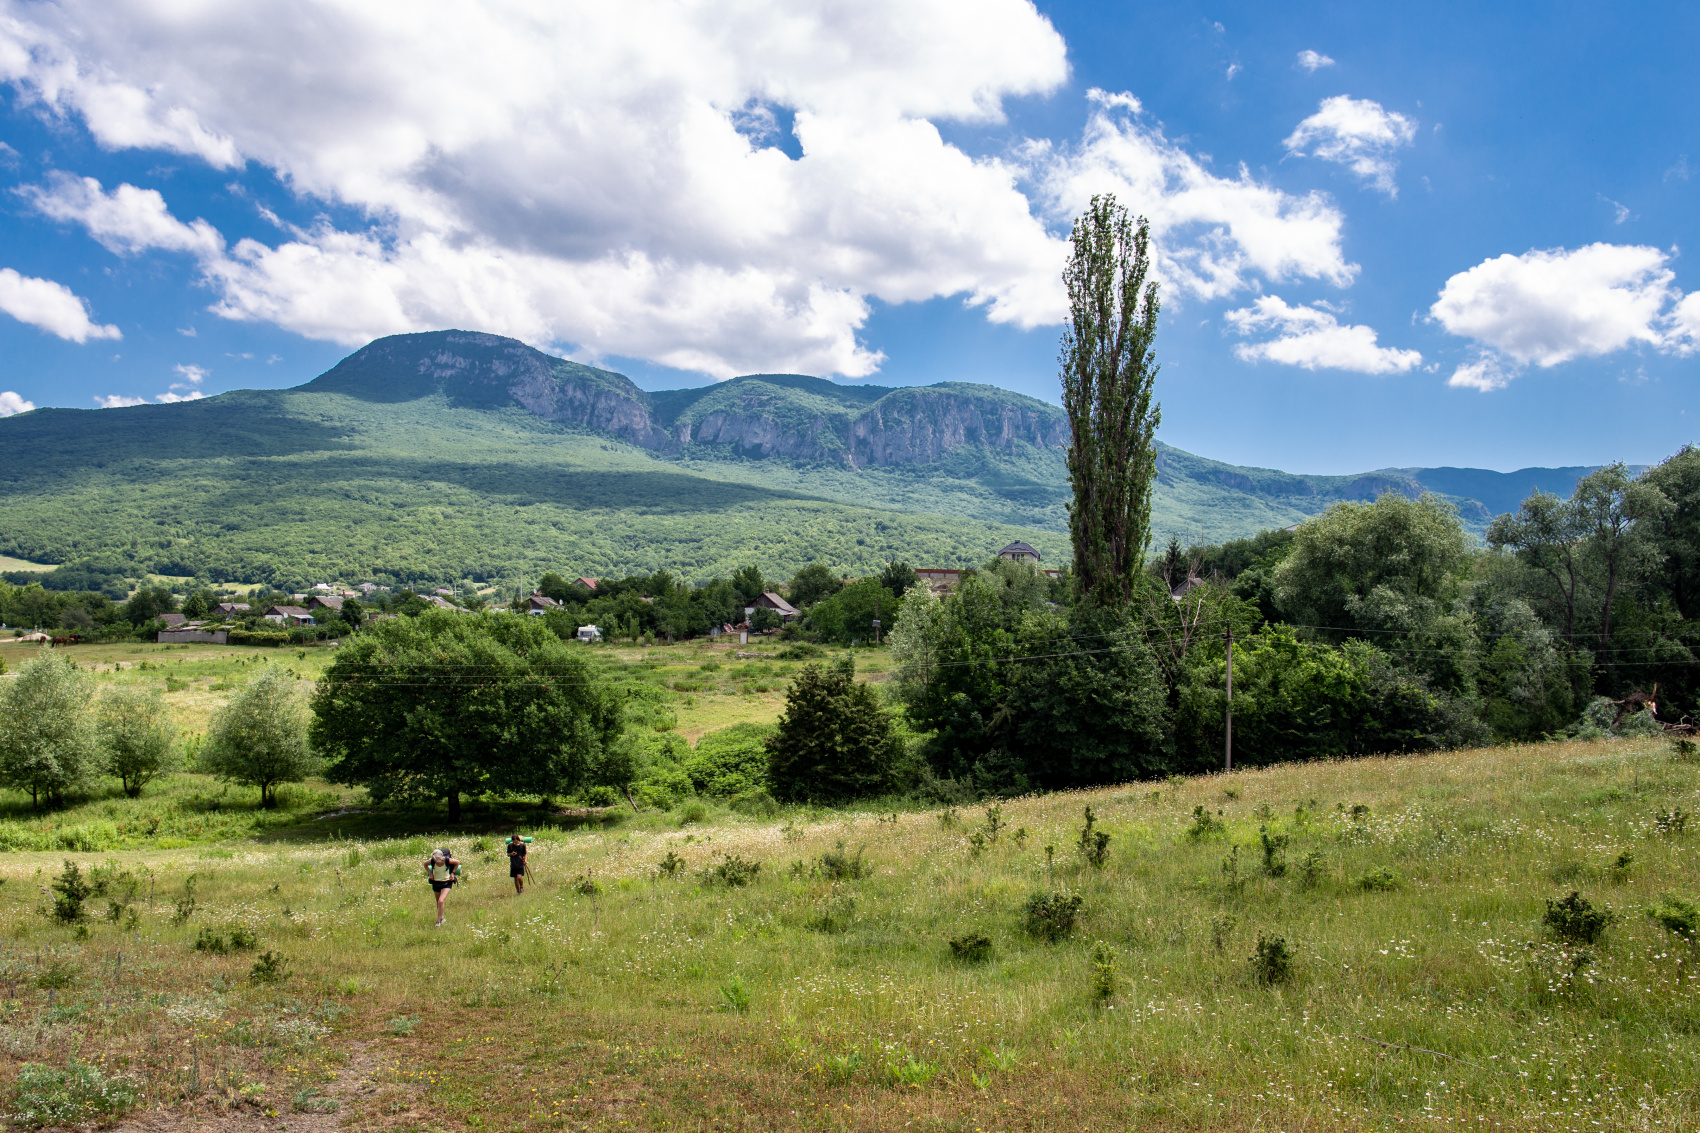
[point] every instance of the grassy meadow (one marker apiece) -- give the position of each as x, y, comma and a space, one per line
637, 985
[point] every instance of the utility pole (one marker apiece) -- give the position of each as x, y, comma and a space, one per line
1228, 743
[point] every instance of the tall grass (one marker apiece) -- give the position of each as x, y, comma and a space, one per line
1437, 999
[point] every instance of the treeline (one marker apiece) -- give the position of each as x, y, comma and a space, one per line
1375, 627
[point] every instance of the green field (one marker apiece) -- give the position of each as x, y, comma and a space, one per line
632, 988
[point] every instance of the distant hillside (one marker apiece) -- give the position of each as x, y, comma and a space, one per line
455, 454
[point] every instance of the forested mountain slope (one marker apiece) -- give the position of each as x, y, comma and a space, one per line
456, 454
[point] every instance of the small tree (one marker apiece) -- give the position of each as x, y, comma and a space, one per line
137, 738
47, 745
260, 737
835, 741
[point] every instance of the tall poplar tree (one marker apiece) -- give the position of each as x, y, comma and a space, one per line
1108, 369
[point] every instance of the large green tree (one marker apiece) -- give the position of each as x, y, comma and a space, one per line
1109, 369
448, 704
1391, 572
47, 744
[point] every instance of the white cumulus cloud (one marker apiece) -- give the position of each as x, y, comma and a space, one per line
619, 177
576, 172
1314, 61
1213, 234
126, 220
11, 402
1314, 339
50, 306
1357, 133
118, 401
1549, 306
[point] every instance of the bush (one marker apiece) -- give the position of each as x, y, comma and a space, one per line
1204, 824
730, 762
1575, 920
1677, 915
837, 865
1381, 881
1094, 843
78, 1093
971, 948
1105, 981
733, 871
1272, 961
270, 968
70, 890
1050, 916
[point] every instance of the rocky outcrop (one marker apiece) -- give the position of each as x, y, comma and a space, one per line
921, 426
784, 416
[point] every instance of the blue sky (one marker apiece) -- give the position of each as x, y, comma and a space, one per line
882, 197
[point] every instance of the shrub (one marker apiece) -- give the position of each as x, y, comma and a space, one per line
1575, 920
1272, 961
1672, 822
1677, 915
70, 891
1310, 870
1620, 867
76, 1094
1094, 843
971, 948
1274, 852
209, 941
692, 811
1050, 916
733, 871
837, 865
56, 975
270, 968
1381, 881
1105, 981
669, 865
1204, 824
730, 762
601, 795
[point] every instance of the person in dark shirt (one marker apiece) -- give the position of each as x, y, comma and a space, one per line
516, 862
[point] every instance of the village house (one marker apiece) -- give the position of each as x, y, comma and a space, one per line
289, 615
587, 583
173, 620
1019, 553
539, 604
772, 601
327, 602
231, 609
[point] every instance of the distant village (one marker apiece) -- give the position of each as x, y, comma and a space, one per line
654, 605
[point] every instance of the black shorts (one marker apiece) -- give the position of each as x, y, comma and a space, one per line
516, 867
439, 886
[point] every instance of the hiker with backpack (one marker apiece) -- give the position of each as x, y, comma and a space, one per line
442, 870
516, 862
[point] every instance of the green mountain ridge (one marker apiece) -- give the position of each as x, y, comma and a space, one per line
454, 454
